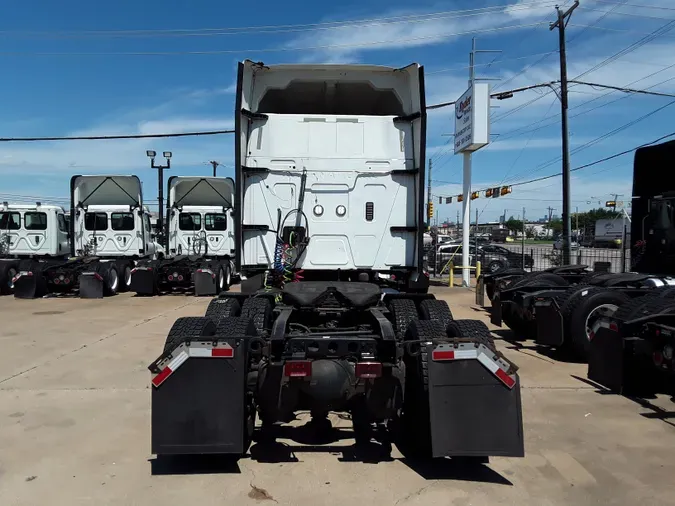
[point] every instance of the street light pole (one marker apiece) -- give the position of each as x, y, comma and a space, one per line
160, 187
215, 165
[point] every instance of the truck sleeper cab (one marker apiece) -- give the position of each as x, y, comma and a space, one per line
330, 161
200, 239
36, 231
110, 230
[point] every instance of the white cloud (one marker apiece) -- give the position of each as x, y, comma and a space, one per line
346, 42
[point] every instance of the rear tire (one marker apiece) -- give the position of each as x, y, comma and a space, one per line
227, 277
413, 436
240, 327
403, 312
223, 308
7, 272
474, 329
437, 310
584, 308
258, 309
111, 278
187, 327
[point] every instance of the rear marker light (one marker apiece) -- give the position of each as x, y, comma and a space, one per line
298, 369
170, 277
613, 327
368, 369
98, 276
57, 281
443, 355
180, 278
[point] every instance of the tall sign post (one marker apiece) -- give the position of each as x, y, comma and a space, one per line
472, 132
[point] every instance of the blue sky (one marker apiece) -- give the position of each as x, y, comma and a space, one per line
91, 68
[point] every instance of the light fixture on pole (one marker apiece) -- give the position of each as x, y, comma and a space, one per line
160, 184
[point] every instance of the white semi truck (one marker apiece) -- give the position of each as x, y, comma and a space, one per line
329, 195
109, 231
200, 239
28, 232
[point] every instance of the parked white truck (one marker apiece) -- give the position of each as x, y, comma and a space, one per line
109, 232
200, 241
330, 196
27, 232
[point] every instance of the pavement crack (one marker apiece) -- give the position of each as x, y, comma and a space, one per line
416, 493
104, 338
257, 493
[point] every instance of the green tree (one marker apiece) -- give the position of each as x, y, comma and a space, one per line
556, 226
514, 225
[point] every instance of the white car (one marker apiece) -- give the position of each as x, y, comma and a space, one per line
557, 245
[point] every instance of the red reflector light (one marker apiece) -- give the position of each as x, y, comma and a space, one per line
57, 281
368, 369
613, 327
180, 278
170, 277
98, 276
298, 369
222, 352
505, 378
443, 355
66, 281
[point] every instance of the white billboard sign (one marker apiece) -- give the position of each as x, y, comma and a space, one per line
472, 119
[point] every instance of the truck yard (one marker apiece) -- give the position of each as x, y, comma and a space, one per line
75, 426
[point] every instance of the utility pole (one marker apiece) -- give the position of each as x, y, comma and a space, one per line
522, 242
429, 193
560, 24
550, 214
215, 165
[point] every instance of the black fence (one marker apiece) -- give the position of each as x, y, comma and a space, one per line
597, 259
532, 258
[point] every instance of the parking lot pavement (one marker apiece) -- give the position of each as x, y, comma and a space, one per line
75, 408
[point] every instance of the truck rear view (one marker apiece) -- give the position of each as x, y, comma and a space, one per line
330, 163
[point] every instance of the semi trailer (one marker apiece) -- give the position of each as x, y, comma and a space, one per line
30, 232
200, 240
561, 307
109, 231
334, 312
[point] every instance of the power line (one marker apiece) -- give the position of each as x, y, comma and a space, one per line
267, 50
247, 30
114, 137
625, 90
640, 6
591, 164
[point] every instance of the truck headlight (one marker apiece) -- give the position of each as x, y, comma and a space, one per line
340, 210
318, 210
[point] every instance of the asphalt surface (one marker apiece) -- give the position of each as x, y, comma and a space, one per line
75, 428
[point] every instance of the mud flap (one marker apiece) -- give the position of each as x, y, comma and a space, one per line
91, 285
205, 283
143, 281
480, 292
472, 412
606, 359
200, 407
30, 285
496, 311
549, 322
